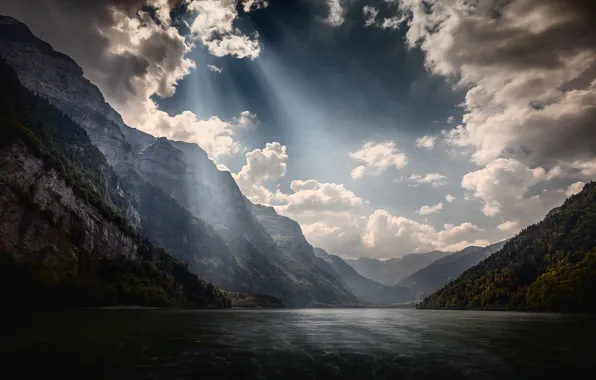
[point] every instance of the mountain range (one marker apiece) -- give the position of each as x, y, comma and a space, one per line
94, 213
393, 270
440, 272
365, 289
171, 192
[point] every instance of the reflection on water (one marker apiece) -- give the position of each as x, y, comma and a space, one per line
316, 344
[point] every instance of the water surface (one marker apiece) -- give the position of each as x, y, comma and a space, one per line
310, 344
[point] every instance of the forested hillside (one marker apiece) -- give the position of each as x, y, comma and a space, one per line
62, 240
549, 266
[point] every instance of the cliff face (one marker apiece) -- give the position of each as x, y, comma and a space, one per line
41, 215
175, 195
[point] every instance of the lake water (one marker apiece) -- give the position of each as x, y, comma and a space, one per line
309, 344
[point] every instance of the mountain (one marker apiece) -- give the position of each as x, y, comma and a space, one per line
177, 197
440, 272
390, 272
62, 241
296, 252
366, 290
549, 266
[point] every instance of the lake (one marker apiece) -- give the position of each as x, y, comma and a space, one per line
310, 344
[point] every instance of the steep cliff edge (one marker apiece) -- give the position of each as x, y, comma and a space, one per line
61, 241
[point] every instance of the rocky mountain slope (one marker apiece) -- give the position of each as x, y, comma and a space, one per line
549, 266
391, 271
366, 290
440, 272
297, 253
62, 242
177, 196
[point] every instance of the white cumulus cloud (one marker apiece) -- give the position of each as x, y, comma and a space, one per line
262, 166
426, 142
433, 179
376, 158
427, 210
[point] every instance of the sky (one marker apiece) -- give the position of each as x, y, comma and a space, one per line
384, 127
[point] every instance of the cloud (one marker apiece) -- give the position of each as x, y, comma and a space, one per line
336, 13
251, 5
370, 15
426, 142
510, 226
503, 187
312, 196
214, 135
449, 198
214, 28
262, 165
434, 179
427, 210
392, 22
384, 230
529, 67
574, 188
376, 158
388, 235
451, 120
464, 244
454, 234
358, 172
215, 69
501, 181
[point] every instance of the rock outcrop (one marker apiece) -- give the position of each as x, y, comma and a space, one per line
41, 215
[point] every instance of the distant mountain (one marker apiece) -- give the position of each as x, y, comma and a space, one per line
549, 266
176, 196
390, 272
432, 277
62, 240
366, 290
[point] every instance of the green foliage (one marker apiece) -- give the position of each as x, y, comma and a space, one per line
152, 278
549, 266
